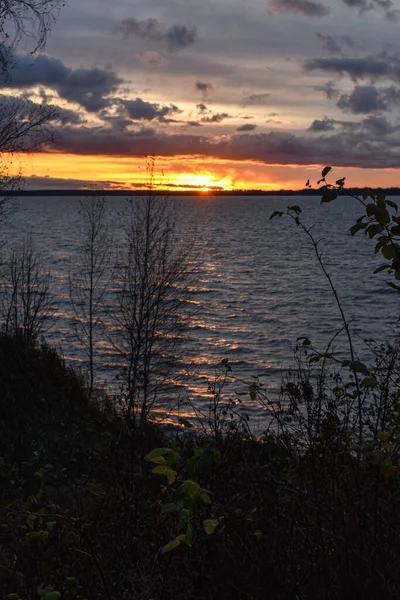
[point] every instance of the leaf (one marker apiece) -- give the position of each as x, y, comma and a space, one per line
329, 196
189, 535
358, 367
154, 455
205, 498
51, 596
159, 460
169, 473
184, 422
383, 436
189, 487
258, 534
382, 215
325, 171
276, 213
382, 268
210, 525
171, 546
392, 204
388, 252
35, 536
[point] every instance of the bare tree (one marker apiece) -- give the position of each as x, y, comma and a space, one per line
24, 125
150, 310
91, 275
27, 301
24, 19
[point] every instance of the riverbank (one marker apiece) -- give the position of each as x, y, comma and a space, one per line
81, 512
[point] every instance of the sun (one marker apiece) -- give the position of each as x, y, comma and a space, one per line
204, 182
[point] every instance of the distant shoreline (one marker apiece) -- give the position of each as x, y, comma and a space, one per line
118, 193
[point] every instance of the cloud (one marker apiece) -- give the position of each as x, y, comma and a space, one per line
204, 88
323, 125
140, 110
329, 43
362, 100
255, 99
193, 124
328, 89
175, 37
36, 182
354, 145
202, 108
306, 8
154, 59
369, 99
367, 5
217, 118
371, 67
378, 125
247, 127
88, 87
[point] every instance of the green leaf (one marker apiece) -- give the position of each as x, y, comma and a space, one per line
171, 545
52, 596
35, 536
169, 473
189, 487
189, 535
210, 525
383, 436
276, 213
369, 382
205, 498
358, 367
325, 171
156, 453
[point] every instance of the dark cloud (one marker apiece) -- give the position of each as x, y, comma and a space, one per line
369, 99
366, 5
329, 43
353, 145
328, 89
247, 127
57, 183
204, 88
255, 99
306, 8
176, 37
371, 67
217, 118
323, 125
194, 124
140, 110
362, 100
88, 87
378, 125
202, 108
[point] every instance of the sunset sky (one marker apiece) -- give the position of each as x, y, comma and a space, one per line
226, 93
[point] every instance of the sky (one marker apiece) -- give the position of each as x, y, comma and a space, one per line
233, 94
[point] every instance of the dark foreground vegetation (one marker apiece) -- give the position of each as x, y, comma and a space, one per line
300, 514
